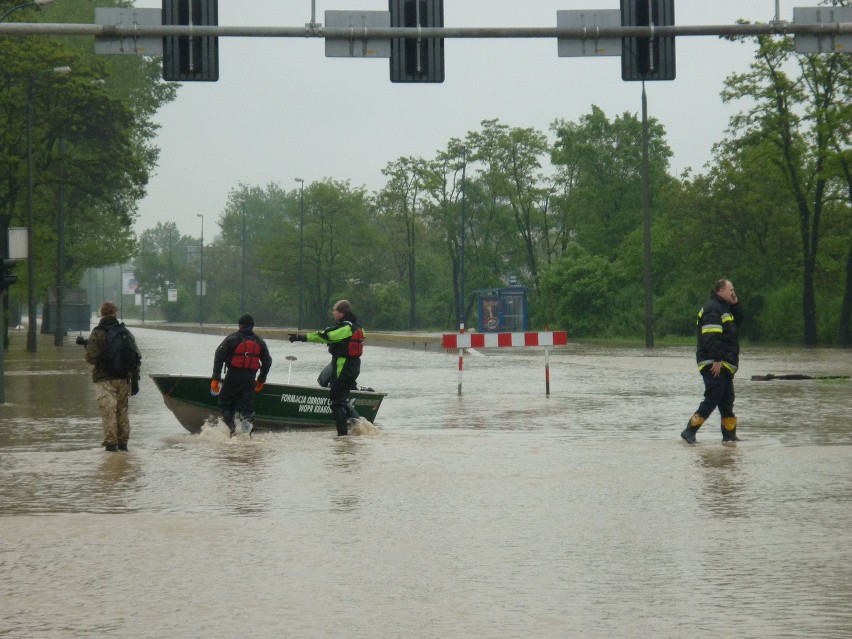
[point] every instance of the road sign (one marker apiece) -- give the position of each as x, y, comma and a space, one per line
127, 45
829, 43
358, 46
593, 21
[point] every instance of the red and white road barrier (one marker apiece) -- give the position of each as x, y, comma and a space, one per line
504, 340
463, 340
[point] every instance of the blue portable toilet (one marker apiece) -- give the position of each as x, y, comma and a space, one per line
502, 310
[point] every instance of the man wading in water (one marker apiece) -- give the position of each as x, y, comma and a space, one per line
346, 344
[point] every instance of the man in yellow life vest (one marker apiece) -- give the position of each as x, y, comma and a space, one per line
345, 341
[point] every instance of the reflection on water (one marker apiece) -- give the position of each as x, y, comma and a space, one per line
504, 512
723, 480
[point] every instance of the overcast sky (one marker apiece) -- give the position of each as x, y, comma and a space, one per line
282, 110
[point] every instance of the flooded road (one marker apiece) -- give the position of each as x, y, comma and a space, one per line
500, 513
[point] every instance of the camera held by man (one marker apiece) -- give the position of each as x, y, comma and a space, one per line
81, 341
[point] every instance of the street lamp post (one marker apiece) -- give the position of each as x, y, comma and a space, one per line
301, 247
31, 313
201, 274
461, 251
144, 268
31, 305
243, 265
59, 332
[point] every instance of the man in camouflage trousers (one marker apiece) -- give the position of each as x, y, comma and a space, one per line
112, 393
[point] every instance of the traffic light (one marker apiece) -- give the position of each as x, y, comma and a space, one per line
413, 59
647, 58
185, 58
9, 277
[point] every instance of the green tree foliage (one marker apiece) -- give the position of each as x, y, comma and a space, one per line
799, 116
512, 176
598, 175
579, 294
400, 206
92, 131
168, 260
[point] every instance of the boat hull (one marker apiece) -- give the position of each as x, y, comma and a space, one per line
277, 406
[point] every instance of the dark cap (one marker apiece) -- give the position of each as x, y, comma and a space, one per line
246, 320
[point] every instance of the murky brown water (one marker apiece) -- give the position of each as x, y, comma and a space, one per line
503, 513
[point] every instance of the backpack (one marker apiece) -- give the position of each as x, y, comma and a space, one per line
120, 356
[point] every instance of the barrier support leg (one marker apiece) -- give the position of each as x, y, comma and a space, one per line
461, 368
546, 372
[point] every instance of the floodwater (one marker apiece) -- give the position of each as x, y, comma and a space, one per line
501, 513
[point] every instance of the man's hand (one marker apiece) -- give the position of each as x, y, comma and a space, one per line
258, 386
215, 387
716, 368
297, 337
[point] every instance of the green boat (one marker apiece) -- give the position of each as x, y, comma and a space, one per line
277, 406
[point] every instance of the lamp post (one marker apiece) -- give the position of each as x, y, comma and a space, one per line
461, 251
144, 268
59, 332
243, 265
24, 6
201, 274
301, 247
31, 306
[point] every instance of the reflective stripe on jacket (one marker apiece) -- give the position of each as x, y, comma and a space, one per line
718, 333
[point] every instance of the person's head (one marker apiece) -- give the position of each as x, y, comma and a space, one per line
109, 309
341, 309
725, 290
246, 321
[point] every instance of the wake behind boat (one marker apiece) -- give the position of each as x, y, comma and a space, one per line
277, 406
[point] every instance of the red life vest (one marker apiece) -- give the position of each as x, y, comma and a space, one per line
246, 355
356, 343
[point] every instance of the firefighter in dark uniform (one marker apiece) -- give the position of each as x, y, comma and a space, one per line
718, 356
246, 360
346, 344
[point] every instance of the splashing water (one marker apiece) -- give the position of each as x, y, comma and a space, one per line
364, 427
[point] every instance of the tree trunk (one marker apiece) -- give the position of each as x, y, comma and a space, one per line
845, 334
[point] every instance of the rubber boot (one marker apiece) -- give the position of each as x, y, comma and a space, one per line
342, 427
122, 446
729, 429
110, 448
691, 429
228, 418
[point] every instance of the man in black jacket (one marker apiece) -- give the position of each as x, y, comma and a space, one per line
718, 356
244, 356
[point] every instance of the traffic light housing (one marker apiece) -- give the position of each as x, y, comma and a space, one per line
185, 58
9, 276
413, 59
647, 58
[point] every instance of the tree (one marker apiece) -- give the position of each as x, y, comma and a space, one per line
512, 173
400, 203
92, 130
599, 177
164, 263
335, 217
799, 102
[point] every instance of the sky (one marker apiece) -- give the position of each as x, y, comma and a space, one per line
282, 110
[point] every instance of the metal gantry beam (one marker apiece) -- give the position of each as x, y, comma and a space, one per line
318, 31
